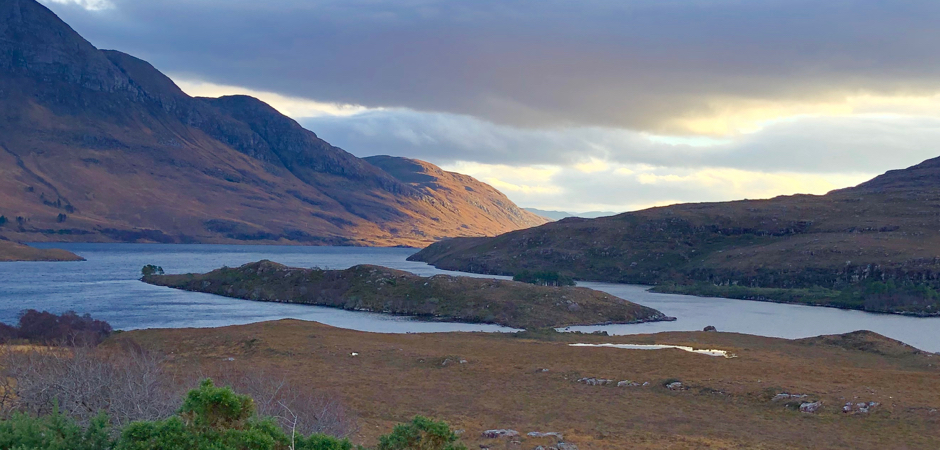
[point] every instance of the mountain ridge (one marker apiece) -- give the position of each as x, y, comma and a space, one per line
97, 145
871, 247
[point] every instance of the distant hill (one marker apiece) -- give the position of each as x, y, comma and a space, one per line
97, 145
12, 251
558, 215
874, 247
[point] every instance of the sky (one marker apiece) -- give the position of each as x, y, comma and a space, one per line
609, 105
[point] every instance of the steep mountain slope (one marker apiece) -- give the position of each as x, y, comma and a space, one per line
100, 146
874, 247
479, 205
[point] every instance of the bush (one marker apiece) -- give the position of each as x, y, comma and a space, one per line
151, 269
54, 432
421, 434
68, 329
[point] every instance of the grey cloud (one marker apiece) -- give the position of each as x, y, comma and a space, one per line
851, 144
633, 64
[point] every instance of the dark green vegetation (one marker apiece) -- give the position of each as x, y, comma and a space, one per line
151, 269
874, 247
211, 418
441, 297
543, 278
50, 329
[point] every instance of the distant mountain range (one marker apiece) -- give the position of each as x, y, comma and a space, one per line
874, 247
97, 145
558, 215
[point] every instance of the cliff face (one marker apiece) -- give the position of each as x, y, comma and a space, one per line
100, 146
886, 230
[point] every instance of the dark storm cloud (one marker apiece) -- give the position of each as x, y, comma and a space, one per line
639, 64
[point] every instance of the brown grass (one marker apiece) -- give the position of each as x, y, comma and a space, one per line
727, 404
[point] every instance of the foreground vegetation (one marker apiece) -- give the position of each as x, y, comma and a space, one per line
441, 297
211, 418
530, 383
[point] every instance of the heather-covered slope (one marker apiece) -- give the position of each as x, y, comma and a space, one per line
874, 247
100, 146
441, 297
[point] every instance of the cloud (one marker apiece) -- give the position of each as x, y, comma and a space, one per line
714, 67
289, 106
855, 144
89, 5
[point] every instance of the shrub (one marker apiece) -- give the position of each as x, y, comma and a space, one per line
151, 269
54, 432
421, 434
3, 220
68, 329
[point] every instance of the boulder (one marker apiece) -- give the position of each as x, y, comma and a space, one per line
627, 383
500, 433
710, 328
675, 386
810, 407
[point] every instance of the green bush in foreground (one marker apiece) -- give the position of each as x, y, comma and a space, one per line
211, 418
421, 434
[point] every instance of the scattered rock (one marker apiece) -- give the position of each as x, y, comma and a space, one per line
675, 386
710, 328
539, 434
500, 433
786, 396
859, 408
810, 407
541, 370
595, 381
627, 383
646, 383
566, 446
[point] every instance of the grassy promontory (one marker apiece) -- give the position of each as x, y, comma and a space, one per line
12, 251
440, 297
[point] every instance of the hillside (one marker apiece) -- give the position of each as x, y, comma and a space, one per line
100, 146
441, 297
511, 381
11, 251
872, 247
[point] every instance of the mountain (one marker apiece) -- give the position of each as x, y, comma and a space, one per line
97, 145
558, 215
874, 247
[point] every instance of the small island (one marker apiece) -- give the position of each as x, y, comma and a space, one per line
440, 297
12, 251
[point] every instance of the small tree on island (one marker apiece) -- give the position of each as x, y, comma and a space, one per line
544, 278
151, 269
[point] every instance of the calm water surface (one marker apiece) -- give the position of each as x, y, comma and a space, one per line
106, 286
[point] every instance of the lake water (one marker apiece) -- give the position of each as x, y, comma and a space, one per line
106, 287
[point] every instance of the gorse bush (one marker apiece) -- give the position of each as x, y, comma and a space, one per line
211, 418
421, 434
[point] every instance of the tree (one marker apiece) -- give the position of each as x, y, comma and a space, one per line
543, 278
151, 269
